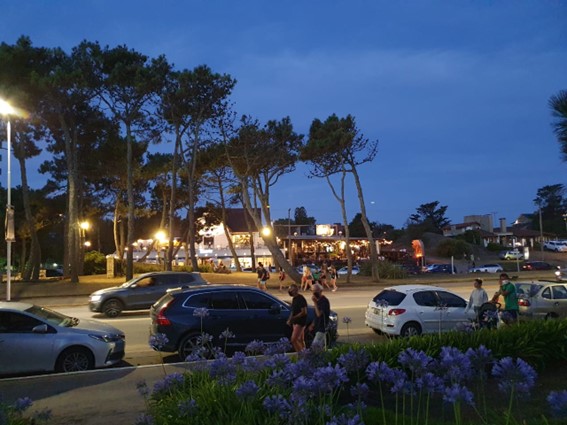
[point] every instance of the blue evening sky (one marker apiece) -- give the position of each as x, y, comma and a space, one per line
455, 91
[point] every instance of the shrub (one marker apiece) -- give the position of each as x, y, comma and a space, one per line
94, 263
453, 248
495, 247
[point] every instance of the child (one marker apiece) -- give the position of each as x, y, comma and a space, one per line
281, 277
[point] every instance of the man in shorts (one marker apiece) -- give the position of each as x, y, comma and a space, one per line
262, 277
298, 318
322, 312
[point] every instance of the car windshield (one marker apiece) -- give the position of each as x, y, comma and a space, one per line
527, 289
53, 317
126, 284
390, 296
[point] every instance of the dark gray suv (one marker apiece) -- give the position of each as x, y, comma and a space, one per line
249, 313
141, 292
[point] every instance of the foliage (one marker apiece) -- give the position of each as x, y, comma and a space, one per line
386, 269
409, 380
356, 227
453, 248
429, 217
471, 236
494, 247
95, 263
558, 105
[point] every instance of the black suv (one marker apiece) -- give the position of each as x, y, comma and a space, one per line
141, 292
248, 313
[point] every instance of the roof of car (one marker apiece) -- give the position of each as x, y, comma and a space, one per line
212, 287
14, 305
414, 288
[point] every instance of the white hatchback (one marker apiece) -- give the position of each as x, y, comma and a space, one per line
409, 310
557, 246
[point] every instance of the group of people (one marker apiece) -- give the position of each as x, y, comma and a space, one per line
507, 290
326, 277
298, 317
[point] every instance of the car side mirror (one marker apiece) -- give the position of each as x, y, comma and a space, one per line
275, 309
40, 329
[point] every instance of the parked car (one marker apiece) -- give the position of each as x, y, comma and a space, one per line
249, 313
344, 270
536, 265
487, 268
557, 246
409, 310
141, 292
543, 300
511, 254
37, 339
312, 267
441, 268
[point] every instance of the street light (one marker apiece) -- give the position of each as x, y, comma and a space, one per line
6, 109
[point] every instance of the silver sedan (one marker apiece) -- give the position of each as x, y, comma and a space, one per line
36, 339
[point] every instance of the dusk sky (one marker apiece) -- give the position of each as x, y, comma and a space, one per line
455, 91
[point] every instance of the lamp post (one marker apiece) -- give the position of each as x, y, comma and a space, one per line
84, 226
7, 110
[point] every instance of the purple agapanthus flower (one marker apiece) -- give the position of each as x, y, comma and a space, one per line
514, 375
480, 358
281, 378
347, 320
329, 377
238, 358
168, 383
201, 312
22, 404
158, 341
255, 347
277, 361
430, 383
415, 361
42, 415
379, 372
454, 365
277, 404
558, 403
282, 346
247, 390
360, 391
354, 360
223, 370
226, 334
458, 393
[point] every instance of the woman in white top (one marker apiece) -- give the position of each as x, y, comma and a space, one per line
478, 296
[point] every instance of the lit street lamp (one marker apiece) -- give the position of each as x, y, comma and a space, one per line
7, 110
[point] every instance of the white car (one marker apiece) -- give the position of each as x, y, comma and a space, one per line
512, 254
487, 268
557, 246
409, 310
36, 339
344, 270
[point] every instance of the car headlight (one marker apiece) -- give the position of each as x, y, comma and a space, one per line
107, 338
95, 298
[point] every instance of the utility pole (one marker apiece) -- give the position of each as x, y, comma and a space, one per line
289, 236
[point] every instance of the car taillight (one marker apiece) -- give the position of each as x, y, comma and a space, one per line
524, 302
396, 311
161, 320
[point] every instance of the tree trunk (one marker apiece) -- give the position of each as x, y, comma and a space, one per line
33, 263
270, 241
131, 209
225, 228
173, 195
364, 219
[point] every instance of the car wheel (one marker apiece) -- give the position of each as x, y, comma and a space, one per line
112, 307
410, 329
74, 360
551, 316
192, 345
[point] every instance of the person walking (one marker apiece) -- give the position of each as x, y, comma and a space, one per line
324, 276
281, 278
508, 291
322, 312
297, 318
262, 277
478, 297
333, 277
